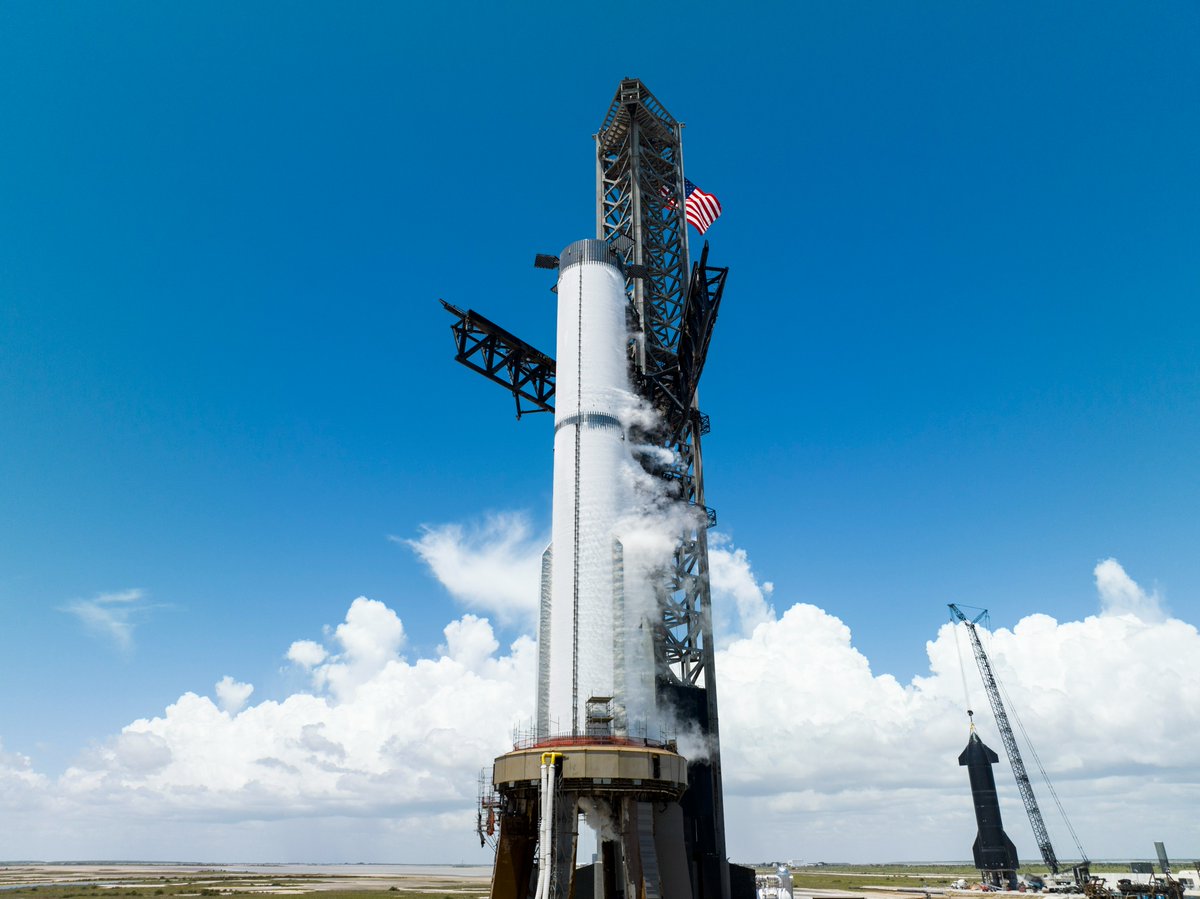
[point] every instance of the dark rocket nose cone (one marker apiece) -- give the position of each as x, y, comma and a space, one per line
977, 753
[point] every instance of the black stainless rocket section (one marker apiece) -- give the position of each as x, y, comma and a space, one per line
995, 855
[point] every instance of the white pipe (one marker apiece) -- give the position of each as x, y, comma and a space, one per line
545, 827
543, 867
548, 830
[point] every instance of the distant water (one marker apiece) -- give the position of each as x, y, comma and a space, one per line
364, 870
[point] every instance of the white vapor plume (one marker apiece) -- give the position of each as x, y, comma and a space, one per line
600, 818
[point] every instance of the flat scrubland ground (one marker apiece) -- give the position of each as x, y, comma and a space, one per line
857, 878
154, 881
886, 878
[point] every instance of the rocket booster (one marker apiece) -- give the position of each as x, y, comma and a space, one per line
583, 641
993, 850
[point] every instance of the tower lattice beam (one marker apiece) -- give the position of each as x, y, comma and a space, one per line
640, 211
485, 347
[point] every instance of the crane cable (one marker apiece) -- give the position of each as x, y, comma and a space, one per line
962, 668
1012, 713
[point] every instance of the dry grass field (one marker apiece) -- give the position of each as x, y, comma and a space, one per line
160, 882
166, 881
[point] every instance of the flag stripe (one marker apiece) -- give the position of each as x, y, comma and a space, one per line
700, 208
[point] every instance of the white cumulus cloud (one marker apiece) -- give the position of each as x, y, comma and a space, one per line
736, 592
377, 757
370, 639
492, 567
17, 773
825, 759
1120, 595
470, 642
232, 695
306, 653
377, 745
822, 757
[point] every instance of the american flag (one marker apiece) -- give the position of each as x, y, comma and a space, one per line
700, 208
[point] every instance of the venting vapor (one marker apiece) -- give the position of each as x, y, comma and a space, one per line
596, 653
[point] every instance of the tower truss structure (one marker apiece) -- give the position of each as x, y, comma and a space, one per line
639, 186
640, 211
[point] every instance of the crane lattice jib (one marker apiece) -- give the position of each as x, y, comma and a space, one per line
1010, 745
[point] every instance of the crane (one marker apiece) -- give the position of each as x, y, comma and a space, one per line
1010, 745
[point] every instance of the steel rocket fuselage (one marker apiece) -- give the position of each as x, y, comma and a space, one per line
583, 642
993, 850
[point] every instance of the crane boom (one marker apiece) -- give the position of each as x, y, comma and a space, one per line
1010, 744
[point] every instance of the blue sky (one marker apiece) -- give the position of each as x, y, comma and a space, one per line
957, 359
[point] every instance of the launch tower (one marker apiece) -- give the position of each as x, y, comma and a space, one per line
668, 810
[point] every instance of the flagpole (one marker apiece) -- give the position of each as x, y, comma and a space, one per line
681, 205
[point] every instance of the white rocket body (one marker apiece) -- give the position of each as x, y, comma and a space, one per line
585, 633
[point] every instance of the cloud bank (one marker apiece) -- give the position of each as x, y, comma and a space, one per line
377, 757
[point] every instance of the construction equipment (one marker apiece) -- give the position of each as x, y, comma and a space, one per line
991, 686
